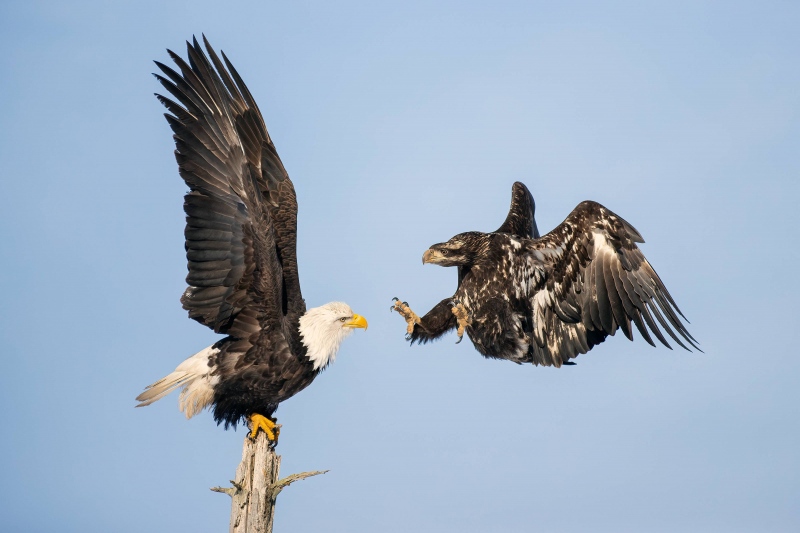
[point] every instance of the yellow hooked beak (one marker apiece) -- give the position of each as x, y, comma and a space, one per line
357, 321
428, 256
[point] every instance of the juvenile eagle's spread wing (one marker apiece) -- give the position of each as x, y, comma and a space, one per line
596, 280
520, 221
241, 211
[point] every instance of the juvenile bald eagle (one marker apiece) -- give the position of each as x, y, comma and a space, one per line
544, 300
241, 224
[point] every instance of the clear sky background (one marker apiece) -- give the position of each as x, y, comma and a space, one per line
401, 125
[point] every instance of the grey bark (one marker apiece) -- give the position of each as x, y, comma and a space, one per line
257, 486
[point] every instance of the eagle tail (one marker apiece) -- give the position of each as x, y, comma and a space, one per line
193, 376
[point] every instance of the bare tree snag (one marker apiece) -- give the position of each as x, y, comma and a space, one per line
257, 486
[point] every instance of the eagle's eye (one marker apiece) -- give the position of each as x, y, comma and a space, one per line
445, 251
343, 319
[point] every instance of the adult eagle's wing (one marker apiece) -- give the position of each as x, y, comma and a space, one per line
241, 210
595, 281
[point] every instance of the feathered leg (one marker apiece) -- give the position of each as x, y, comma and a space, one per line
499, 330
433, 325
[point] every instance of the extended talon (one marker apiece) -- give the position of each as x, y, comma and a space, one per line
270, 427
405, 311
462, 317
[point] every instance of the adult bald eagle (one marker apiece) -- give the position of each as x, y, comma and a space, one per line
241, 224
544, 300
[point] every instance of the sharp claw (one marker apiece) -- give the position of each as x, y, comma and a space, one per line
395, 299
459, 340
405, 303
391, 308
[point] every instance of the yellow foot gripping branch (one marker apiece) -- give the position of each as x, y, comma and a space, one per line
272, 429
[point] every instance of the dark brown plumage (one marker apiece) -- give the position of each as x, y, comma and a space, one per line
241, 231
544, 300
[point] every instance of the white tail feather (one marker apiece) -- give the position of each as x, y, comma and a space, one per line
194, 376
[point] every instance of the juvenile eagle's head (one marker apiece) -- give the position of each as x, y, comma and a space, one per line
324, 328
462, 250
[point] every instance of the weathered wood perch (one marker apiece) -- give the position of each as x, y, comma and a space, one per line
257, 486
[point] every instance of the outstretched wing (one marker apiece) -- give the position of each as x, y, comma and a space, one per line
241, 210
596, 280
520, 221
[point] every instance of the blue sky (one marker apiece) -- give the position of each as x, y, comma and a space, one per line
402, 124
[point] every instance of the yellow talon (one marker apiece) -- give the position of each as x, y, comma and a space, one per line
463, 319
272, 429
410, 316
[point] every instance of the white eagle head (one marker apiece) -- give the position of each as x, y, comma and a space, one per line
324, 328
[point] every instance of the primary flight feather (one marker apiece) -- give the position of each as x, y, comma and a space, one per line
241, 236
544, 300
